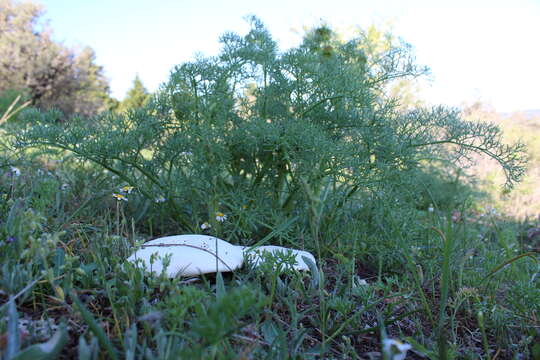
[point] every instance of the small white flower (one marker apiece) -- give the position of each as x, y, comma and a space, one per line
205, 226
120, 197
126, 189
221, 217
160, 199
64, 187
430, 209
395, 349
15, 171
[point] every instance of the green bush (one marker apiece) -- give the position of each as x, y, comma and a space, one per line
305, 138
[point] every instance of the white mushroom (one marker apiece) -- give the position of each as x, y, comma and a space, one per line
190, 255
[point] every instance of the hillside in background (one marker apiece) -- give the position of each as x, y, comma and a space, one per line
524, 200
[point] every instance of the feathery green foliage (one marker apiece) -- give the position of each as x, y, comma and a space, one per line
253, 123
300, 148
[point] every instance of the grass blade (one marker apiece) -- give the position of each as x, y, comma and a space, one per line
220, 286
14, 338
530, 254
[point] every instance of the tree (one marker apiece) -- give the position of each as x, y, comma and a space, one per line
54, 75
136, 97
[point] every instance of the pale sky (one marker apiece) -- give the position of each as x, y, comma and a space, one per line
485, 50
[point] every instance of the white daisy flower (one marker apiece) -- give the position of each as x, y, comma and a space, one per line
221, 217
205, 226
120, 197
394, 349
126, 189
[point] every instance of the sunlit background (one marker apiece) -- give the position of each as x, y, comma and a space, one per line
477, 50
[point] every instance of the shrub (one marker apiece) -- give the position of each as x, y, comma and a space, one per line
304, 136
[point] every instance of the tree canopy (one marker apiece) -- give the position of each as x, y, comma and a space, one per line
53, 75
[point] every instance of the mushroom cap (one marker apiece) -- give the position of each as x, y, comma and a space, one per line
190, 255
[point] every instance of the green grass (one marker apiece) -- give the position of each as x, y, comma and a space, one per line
461, 291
